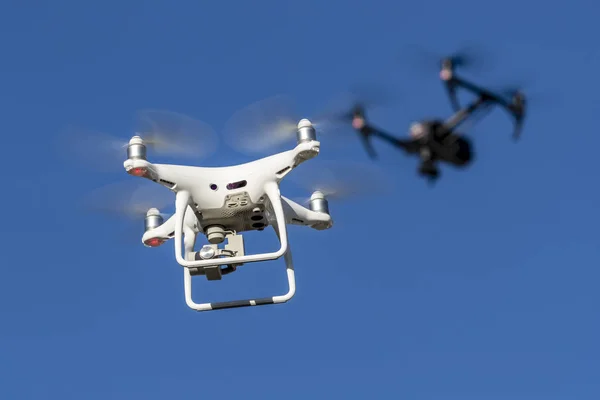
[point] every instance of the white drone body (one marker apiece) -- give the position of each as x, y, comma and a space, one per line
222, 202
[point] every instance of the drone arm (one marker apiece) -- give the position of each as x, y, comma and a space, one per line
167, 229
517, 110
295, 214
365, 137
407, 145
451, 89
163, 231
461, 115
480, 92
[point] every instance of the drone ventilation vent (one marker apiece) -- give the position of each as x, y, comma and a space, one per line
166, 183
228, 213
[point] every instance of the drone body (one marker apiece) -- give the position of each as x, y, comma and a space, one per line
221, 203
437, 140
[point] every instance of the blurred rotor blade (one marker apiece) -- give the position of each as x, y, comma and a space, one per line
88, 149
340, 180
175, 134
164, 132
270, 123
129, 199
534, 97
263, 125
472, 57
357, 99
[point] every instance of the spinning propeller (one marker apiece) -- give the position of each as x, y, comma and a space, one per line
164, 133
136, 203
131, 200
269, 124
469, 57
265, 125
339, 180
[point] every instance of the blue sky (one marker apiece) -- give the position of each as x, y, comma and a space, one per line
481, 288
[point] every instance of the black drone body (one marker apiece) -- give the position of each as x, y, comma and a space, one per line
437, 141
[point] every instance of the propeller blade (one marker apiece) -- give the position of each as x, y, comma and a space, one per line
466, 57
164, 132
176, 134
271, 123
534, 97
472, 57
343, 107
131, 200
96, 150
262, 125
339, 180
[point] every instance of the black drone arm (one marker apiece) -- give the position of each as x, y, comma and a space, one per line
464, 113
365, 136
516, 107
481, 92
367, 131
451, 89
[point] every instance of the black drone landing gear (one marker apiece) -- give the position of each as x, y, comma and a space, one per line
429, 170
428, 167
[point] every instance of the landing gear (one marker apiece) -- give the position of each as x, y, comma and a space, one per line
429, 170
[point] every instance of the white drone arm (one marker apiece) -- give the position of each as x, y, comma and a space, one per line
295, 214
166, 230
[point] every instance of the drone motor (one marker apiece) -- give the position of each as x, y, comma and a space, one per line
152, 221
447, 69
136, 150
318, 202
306, 131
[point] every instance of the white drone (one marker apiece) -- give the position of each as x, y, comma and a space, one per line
222, 202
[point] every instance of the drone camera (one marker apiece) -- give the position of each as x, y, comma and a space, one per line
215, 234
318, 203
235, 246
306, 132
207, 252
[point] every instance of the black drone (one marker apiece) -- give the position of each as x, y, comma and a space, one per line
436, 140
